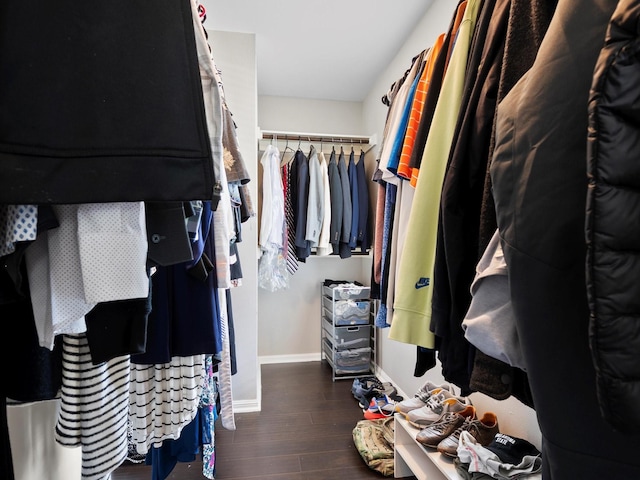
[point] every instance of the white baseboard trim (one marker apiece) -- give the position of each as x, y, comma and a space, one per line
297, 358
245, 406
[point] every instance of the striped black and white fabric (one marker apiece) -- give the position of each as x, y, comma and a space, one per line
292, 259
163, 399
94, 408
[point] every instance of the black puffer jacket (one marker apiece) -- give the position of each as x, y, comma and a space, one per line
613, 220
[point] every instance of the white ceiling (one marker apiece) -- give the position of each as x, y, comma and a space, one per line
319, 49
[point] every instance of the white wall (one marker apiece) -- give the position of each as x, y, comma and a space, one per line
396, 359
310, 116
235, 56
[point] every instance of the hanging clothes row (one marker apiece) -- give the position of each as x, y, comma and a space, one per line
311, 205
121, 295
482, 251
432, 191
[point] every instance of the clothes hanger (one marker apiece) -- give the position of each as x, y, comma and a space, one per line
311, 147
286, 147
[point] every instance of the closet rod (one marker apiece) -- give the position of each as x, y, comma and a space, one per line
317, 137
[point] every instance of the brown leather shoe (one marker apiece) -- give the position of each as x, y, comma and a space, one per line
432, 435
483, 430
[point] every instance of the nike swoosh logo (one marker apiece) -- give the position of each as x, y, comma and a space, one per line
422, 282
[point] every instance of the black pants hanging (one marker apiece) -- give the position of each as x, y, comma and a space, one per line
101, 102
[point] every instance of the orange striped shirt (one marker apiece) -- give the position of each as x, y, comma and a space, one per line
417, 106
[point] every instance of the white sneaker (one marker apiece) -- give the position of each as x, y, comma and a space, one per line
437, 405
422, 396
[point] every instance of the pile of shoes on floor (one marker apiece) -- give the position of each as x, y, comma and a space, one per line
450, 424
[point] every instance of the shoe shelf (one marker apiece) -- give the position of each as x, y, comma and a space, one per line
347, 341
412, 459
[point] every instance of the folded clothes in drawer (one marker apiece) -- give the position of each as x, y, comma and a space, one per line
341, 290
352, 359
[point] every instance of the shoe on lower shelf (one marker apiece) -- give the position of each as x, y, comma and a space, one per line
483, 429
421, 397
448, 423
437, 405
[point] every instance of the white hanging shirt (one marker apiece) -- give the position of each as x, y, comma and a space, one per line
112, 238
108, 243
55, 279
324, 246
272, 220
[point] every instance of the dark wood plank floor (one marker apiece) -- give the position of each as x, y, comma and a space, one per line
302, 433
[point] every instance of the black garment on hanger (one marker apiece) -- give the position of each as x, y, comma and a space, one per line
527, 24
167, 234
39, 375
303, 246
539, 174
118, 328
31, 373
337, 204
347, 208
458, 224
101, 103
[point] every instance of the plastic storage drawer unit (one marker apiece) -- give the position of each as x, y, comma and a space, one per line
348, 337
346, 328
346, 312
357, 360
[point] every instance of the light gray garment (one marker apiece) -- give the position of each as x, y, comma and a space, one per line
112, 241
324, 244
489, 324
315, 203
